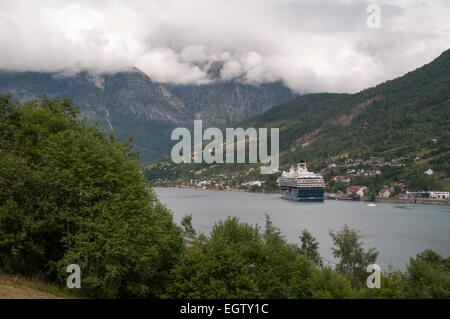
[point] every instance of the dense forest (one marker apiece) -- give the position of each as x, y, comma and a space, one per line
70, 194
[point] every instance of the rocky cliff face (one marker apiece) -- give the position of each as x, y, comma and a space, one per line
130, 93
131, 104
224, 104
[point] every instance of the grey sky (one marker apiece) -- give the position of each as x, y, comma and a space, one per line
312, 45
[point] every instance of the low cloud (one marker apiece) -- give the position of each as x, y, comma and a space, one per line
311, 45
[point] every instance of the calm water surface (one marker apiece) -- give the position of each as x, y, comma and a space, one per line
398, 231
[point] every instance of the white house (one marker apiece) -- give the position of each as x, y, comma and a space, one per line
429, 171
438, 195
252, 183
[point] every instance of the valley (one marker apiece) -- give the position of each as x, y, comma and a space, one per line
401, 126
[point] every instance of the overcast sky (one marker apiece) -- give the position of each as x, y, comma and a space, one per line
312, 45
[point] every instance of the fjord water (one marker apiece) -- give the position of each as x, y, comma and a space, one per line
398, 231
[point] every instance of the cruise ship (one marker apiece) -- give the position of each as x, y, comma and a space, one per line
301, 185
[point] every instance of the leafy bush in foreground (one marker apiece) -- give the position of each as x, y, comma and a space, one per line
71, 195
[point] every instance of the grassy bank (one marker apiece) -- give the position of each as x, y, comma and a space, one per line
18, 287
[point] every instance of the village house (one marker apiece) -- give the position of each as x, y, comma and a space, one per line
343, 179
385, 192
252, 183
356, 191
429, 171
416, 194
438, 194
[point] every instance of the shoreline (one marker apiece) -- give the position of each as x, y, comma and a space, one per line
386, 200
411, 201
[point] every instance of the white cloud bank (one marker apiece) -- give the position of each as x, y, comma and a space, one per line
312, 45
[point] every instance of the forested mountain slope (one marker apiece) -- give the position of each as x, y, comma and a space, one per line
408, 111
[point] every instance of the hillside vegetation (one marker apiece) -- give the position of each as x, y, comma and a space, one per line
407, 111
406, 117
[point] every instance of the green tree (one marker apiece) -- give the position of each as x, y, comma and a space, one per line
309, 247
428, 276
353, 259
237, 261
270, 229
75, 196
420, 181
189, 230
327, 284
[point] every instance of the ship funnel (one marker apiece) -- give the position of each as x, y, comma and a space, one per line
302, 167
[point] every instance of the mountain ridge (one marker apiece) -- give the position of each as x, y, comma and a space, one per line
420, 97
131, 104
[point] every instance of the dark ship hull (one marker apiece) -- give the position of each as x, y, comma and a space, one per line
313, 194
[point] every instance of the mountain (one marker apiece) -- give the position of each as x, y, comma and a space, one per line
131, 104
407, 118
406, 112
223, 104
127, 102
